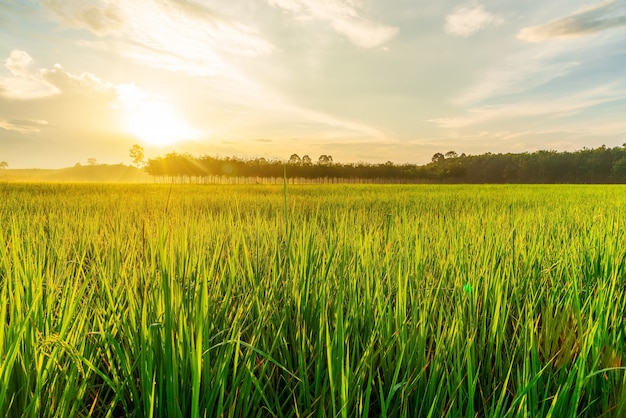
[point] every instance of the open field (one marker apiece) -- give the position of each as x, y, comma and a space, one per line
101, 173
151, 300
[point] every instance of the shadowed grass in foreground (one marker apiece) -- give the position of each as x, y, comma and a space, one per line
371, 301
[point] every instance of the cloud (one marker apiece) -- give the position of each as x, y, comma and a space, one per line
23, 83
466, 21
341, 127
177, 35
188, 37
267, 111
606, 15
562, 106
344, 16
25, 126
77, 84
364, 33
26, 83
533, 65
517, 73
100, 17
18, 62
73, 102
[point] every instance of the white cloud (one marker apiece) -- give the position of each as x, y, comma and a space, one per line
518, 73
466, 21
338, 127
77, 84
18, 62
260, 109
23, 83
187, 37
364, 33
531, 66
26, 126
101, 17
26, 83
177, 35
557, 107
605, 15
345, 17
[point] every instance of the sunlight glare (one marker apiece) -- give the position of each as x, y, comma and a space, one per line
155, 122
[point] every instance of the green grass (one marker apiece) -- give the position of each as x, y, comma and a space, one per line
151, 300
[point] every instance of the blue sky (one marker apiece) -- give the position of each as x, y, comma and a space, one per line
361, 80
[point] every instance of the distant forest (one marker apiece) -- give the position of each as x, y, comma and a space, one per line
599, 165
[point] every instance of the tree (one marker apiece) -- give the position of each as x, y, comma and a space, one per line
451, 154
325, 159
3, 165
295, 159
92, 161
438, 157
137, 154
306, 160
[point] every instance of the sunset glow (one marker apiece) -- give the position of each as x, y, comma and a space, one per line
361, 80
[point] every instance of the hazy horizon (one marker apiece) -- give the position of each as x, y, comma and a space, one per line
357, 79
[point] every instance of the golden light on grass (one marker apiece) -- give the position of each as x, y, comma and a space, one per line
209, 300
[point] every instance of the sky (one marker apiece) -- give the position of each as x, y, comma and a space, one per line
360, 80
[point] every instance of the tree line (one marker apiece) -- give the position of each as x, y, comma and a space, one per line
599, 165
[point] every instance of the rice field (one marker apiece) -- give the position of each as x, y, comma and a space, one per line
336, 300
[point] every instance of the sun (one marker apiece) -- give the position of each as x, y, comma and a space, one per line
153, 121
157, 124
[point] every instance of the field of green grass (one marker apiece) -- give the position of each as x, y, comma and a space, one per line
342, 301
